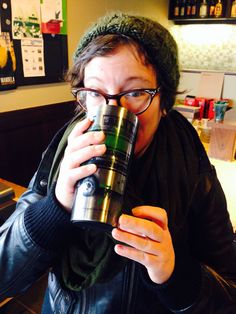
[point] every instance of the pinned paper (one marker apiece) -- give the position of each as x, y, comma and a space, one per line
210, 85
33, 57
52, 18
51, 9
26, 19
7, 62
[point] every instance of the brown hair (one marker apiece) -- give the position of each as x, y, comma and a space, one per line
105, 45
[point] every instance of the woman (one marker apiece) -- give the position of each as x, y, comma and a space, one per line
175, 249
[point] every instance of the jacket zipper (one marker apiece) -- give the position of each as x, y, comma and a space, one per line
130, 273
83, 302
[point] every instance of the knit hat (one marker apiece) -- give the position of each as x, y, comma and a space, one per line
156, 40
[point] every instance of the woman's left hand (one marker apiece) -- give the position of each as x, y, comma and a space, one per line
147, 240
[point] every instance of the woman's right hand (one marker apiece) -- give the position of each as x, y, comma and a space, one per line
81, 147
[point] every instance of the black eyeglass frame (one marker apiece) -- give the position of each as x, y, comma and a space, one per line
151, 91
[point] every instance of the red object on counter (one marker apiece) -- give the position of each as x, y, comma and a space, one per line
201, 103
190, 101
211, 112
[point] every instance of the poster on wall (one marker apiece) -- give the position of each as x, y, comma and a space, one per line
7, 54
26, 19
7, 62
53, 14
32, 57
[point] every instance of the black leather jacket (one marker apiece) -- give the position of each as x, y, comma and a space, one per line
193, 288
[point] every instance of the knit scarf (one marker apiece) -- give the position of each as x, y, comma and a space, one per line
164, 177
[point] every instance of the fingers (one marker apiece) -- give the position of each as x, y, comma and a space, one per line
80, 172
149, 221
138, 256
76, 158
80, 128
78, 139
155, 214
83, 146
142, 234
89, 138
140, 243
145, 238
141, 227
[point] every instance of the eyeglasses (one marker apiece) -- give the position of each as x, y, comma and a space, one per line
135, 100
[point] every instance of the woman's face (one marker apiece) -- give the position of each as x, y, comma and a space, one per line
121, 71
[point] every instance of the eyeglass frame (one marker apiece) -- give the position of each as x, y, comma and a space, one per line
151, 91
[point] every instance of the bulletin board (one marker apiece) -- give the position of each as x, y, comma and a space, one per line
55, 58
37, 48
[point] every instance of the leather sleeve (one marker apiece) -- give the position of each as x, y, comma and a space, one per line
22, 260
204, 279
212, 243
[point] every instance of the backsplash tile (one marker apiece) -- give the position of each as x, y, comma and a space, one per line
206, 46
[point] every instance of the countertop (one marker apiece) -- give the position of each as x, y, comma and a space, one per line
226, 172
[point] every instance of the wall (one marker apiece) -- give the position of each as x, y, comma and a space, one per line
206, 46
80, 15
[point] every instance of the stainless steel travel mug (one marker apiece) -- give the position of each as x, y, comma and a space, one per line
98, 198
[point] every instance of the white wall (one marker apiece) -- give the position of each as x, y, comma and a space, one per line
206, 46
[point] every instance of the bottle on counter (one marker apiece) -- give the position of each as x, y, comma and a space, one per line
233, 9
211, 8
188, 9
177, 8
193, 8
218, 9
203, 9
182, 9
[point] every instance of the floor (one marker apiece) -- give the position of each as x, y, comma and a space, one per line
29, 302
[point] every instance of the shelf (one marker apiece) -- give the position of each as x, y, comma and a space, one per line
220, 20
225, 19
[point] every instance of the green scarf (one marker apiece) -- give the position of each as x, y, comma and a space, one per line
164, 176
92, 248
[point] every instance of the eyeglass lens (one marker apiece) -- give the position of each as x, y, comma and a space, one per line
135, 101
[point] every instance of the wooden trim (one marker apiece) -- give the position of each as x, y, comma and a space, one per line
17, 188
5, 301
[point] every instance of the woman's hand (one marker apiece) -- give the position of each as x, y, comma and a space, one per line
80, 148
148, 241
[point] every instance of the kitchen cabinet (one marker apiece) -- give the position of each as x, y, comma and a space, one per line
179, 13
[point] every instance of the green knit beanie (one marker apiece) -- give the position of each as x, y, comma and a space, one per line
156, 40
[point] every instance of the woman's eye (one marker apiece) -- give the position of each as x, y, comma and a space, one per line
94, 94
136, 94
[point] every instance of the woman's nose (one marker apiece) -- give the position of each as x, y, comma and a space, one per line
113, 102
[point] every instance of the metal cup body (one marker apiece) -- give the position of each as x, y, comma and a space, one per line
98, 198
